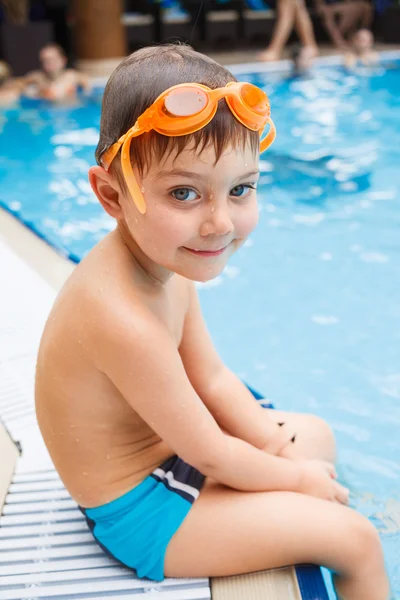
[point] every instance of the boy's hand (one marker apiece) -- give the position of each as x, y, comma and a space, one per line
281, 437
318, 479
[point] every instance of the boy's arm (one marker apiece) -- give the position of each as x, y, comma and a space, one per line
224, 394
134, 350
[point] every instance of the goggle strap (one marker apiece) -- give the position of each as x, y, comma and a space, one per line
269, 138
113, 150
130, 178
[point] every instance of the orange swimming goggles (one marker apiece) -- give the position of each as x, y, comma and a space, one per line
188, 107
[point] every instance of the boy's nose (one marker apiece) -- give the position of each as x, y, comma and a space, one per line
217, 221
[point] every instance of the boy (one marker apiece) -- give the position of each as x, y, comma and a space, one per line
178, 470
54, 81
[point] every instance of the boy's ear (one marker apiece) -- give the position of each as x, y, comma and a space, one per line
107, 191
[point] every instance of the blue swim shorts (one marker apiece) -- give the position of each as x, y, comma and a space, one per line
136, 528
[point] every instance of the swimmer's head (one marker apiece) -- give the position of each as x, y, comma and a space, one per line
363, 41
198, 188
52, 59
5, 72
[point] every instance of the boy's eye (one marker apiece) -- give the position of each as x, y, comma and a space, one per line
184, 194
241, 190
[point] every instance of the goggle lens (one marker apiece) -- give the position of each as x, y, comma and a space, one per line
185, 102
255, 99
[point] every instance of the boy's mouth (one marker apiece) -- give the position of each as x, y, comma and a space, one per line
206, 253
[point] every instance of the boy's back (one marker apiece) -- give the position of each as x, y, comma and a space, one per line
99, 444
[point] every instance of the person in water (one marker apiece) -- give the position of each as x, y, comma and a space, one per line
362, 50
178, 470
55, 81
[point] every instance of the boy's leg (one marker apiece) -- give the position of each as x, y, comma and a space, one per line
314, 437
229, 532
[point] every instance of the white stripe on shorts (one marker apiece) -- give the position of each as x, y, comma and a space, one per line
178, 485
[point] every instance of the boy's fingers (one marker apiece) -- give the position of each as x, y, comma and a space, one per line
331, 469
342, 494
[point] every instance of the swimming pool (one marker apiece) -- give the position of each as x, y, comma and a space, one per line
308, 312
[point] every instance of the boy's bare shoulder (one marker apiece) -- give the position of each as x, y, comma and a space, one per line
104, 285
105, 297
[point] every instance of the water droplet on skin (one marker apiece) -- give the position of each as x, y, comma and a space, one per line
77, 439
142, 190
213, 209
108, 457
245, 164
211, 196
136, 220
79, 341
84, 473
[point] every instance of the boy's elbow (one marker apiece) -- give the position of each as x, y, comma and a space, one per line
207, 459
210, 458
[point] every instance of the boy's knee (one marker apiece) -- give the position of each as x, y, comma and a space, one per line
320, 429
364, 543
315, 438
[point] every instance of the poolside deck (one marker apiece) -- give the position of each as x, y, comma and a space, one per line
45, 547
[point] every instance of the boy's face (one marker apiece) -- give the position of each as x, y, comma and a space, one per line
198, 213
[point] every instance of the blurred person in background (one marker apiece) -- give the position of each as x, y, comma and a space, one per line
10, 88
55, 81
343, 19
361, 50
302, 60
291, 14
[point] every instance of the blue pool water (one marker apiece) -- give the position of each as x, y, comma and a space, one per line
308, 311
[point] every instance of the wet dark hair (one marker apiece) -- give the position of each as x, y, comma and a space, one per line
136, 83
